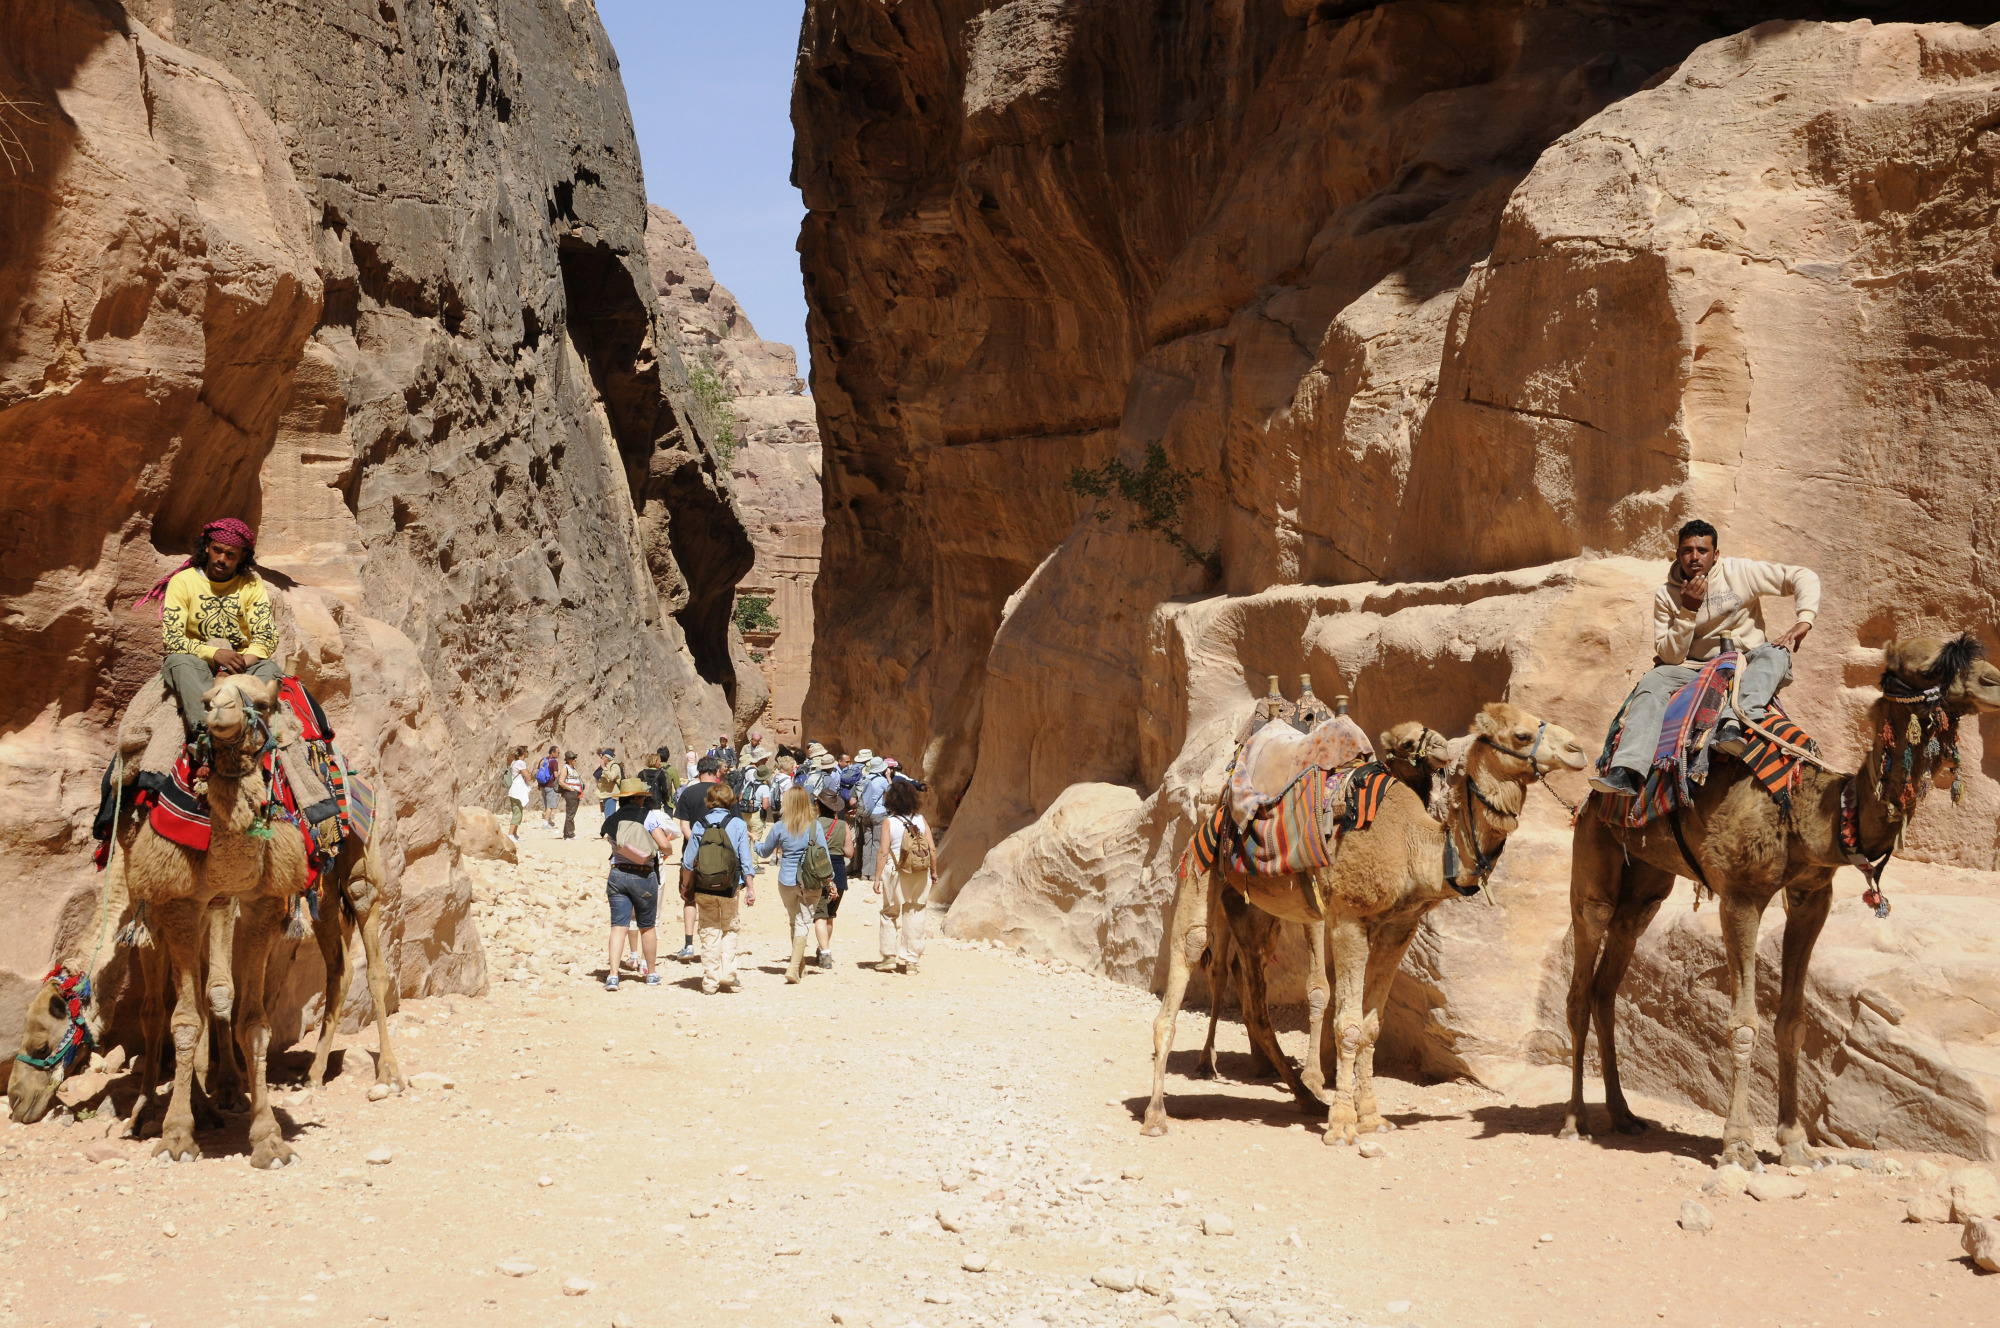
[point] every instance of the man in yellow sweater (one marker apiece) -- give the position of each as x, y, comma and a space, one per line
216, 618
1706, 598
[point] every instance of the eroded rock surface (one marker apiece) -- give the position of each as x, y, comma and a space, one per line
373, 278
1458, 310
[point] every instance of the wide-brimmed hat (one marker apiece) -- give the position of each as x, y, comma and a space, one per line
815, 750
632, 788
824, 761
831, 800
864, 756
875, 766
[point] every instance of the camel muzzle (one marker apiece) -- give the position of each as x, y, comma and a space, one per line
30, 1094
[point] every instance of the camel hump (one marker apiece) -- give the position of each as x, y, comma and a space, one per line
1273, 757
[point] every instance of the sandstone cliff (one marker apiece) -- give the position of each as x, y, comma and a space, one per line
374, 278
775, 466
1457, 310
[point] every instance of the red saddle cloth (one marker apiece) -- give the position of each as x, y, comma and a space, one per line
1299, 831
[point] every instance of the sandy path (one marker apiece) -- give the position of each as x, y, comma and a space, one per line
781, 1154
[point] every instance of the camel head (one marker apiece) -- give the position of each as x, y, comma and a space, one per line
239, 720
51, 1044
1410, 750
1521, 747
1959, 666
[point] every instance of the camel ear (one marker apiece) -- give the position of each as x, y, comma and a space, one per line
1489, 720
1386, 745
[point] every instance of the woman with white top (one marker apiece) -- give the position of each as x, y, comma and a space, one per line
517, 793
903, 878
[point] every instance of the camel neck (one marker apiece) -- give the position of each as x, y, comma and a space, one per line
1477, 823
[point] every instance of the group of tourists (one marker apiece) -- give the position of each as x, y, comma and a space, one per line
829, 820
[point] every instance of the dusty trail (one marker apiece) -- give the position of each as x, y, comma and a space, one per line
786, 1155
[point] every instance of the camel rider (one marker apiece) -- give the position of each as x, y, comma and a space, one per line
215, 618
1706, 598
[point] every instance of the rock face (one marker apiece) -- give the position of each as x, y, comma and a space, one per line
372, 278
1451, 345
775, 469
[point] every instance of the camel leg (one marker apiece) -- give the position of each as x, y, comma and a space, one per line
1346, 948
1219, 959
1256, 1011
1316, 1002
387, 1071
1186, 939
1802, 926
1388, 942
330, 930
179, 926
223, 1077
1740, 918
151, 962
1646, 887
263, 922
1596, 873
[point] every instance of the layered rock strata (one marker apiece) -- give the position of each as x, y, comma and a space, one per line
1443, 304
374, 279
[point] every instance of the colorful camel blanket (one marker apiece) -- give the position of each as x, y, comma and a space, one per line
178, 813
1300, 831
1681, 760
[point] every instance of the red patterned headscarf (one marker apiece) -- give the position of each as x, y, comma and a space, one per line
227, 531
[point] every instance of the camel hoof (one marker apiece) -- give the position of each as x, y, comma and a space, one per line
1206, 1070
275, 1158
1153, 1129
1570, 1132
1742, 1154
1801, 1154
1633, 1125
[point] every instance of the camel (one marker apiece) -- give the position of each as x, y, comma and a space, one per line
1382, 882
351, 895
1745, 852
1409, 751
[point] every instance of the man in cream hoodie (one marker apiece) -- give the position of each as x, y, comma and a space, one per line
1706, 598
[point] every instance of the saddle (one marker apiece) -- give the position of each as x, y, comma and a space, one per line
1271, 760
1682, 759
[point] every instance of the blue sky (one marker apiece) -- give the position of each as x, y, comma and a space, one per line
711, 90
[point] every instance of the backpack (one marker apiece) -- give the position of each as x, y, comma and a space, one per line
717, 869
913, 856
545, 773
816, 863
634, 845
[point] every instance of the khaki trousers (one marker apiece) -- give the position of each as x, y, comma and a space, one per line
904, 897
801, 905
717, 923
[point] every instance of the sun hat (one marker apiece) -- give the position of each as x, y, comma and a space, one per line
815, 750
864, 756
831, 800
875, 766
607, 751
632, 788
824, 761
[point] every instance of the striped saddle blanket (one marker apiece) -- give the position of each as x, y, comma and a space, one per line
1299, 830
1681, 761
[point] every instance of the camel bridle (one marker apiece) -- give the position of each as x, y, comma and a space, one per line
74, 990
260, 728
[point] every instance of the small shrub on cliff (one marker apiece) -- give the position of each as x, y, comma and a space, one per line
753, 614
1159, 490
717, 405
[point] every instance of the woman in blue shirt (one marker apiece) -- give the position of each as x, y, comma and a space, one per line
795, 831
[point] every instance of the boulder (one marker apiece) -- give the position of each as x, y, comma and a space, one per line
1975, 1193
1982, 1242
479, 833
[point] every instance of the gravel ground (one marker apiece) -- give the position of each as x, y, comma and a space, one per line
954, 1147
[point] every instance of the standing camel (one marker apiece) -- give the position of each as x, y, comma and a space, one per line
1743, 848
1409, 751
351, 894
1363, 911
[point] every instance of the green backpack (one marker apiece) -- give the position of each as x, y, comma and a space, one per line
717, 869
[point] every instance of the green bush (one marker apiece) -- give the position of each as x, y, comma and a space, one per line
717, 406
1159, 490
753, 614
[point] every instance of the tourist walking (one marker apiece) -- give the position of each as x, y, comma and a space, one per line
716, 866
517, 792
840, 843
870, 809
655, 780
690, 805
610, 774
571, 784
903, 879
805, 868
547, 773
640, 838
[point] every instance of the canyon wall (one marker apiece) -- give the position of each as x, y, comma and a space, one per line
371, 276
774, 466
1451, 313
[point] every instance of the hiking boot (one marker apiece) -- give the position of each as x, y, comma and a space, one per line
1619, 780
